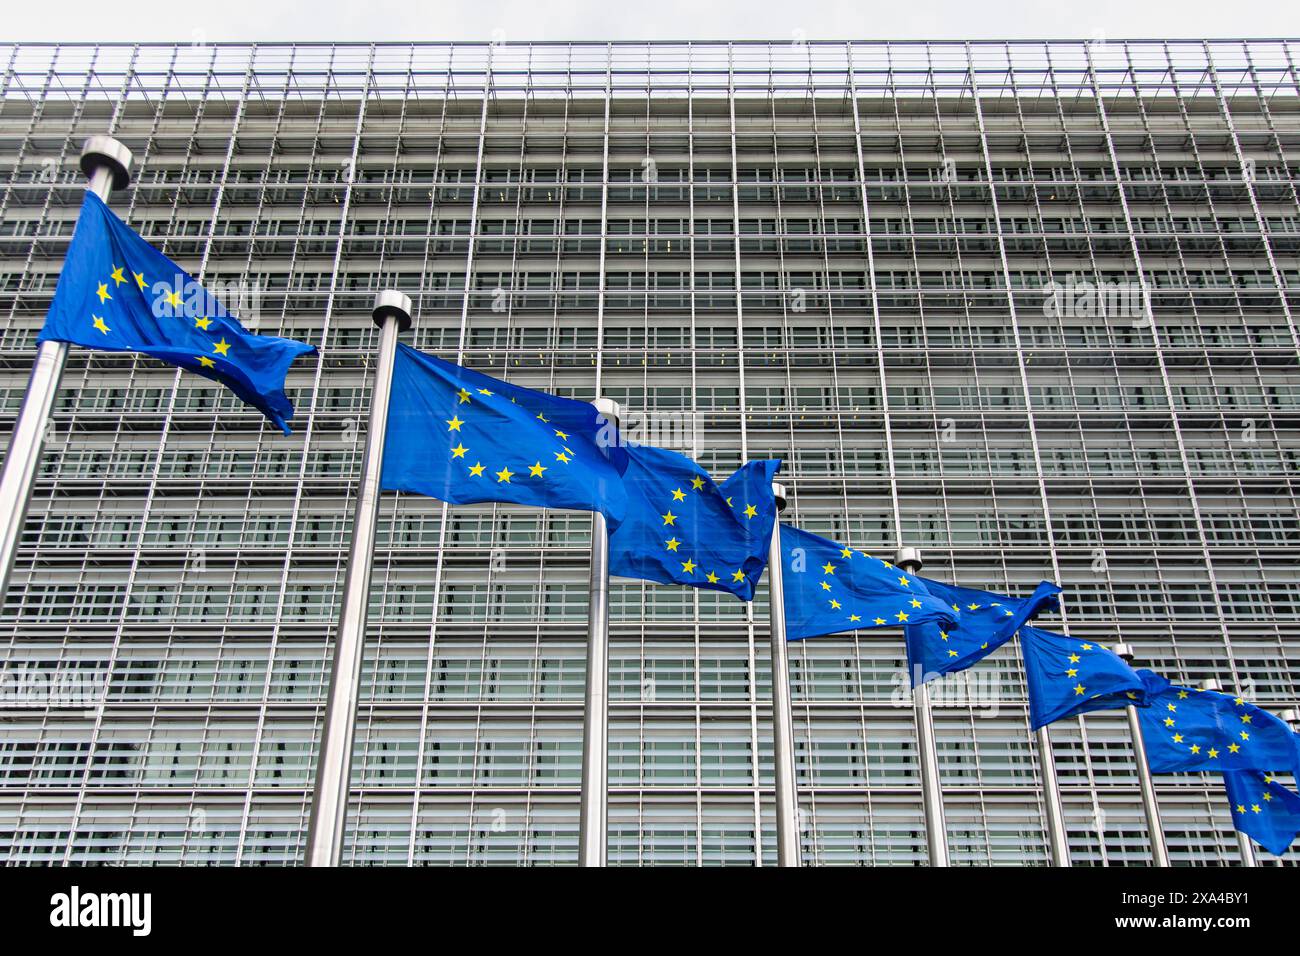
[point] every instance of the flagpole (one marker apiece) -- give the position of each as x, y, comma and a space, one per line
1150, 806
107, 164
593, 813
788, 852
1243, 842
936, 827
392, 313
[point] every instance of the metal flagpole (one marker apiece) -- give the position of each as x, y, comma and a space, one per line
392, 313
1150, 806
1060, 846
107, 164
788, 851
593, 816
936, 827
1243, 841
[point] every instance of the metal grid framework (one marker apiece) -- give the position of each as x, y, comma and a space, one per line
831, 253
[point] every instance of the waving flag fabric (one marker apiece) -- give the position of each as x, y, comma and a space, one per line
987, 622
462, 436
1068, 676
1189, 730
681, 528
1263, 809
829, 588
120, 294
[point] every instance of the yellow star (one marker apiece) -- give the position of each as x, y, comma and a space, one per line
846, 552
476, 469
835, 605
99, 324
103, 293
1244, 735
1074, 658
855, 617
139, 279
1196, 748
712, 578
536, 470
504, 475
879, 620
1169, 721
202, 324
1178, 738
1171, 707
915, 603
904, 582
562, 436
952, 653
729, 504
1239, 701
1241, 808
454, 423
973, 607
222, 348
207, 362
943, 635
738, 576
901, 616
688, 566
543, 418
1072, 672
485, 391
669, 518
464, 397
1182, 695
1254, 807
828, 568
1233, 748
459, 451
117, 277
1267, 795
561, 456
174, 299
671, 544
1245, 718
1212, 753
751, 511
1086, 647
1078, 689
697, 483
826, 585
679, 495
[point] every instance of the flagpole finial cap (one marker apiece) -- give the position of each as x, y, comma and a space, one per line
909, 559
101, 151
392, 304
1211, 684
778, 492
1291, 715
609, 408
1123, 651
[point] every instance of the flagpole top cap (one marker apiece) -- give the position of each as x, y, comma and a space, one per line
392, 304
909, 559
1123, 651
609, 409
1211, 684
1291, 715
778, 492
100, 151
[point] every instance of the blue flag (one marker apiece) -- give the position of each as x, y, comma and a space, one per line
829, 588
1187, 730
1263, 809
987, 622
681, 528
463, 437
1068, 676
120, 294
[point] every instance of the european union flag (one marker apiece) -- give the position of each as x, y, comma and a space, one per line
829, 588
987, 622
1263, 809
465, 437
1187, 730
1068, 676
681, 528
120, 294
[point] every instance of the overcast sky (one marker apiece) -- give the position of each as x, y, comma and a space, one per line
507, 20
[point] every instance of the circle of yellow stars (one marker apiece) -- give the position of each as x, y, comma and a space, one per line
504, 476
670, 521
1170, 723
117, 276
830, 583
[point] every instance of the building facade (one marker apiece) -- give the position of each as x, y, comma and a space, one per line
1028, 306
